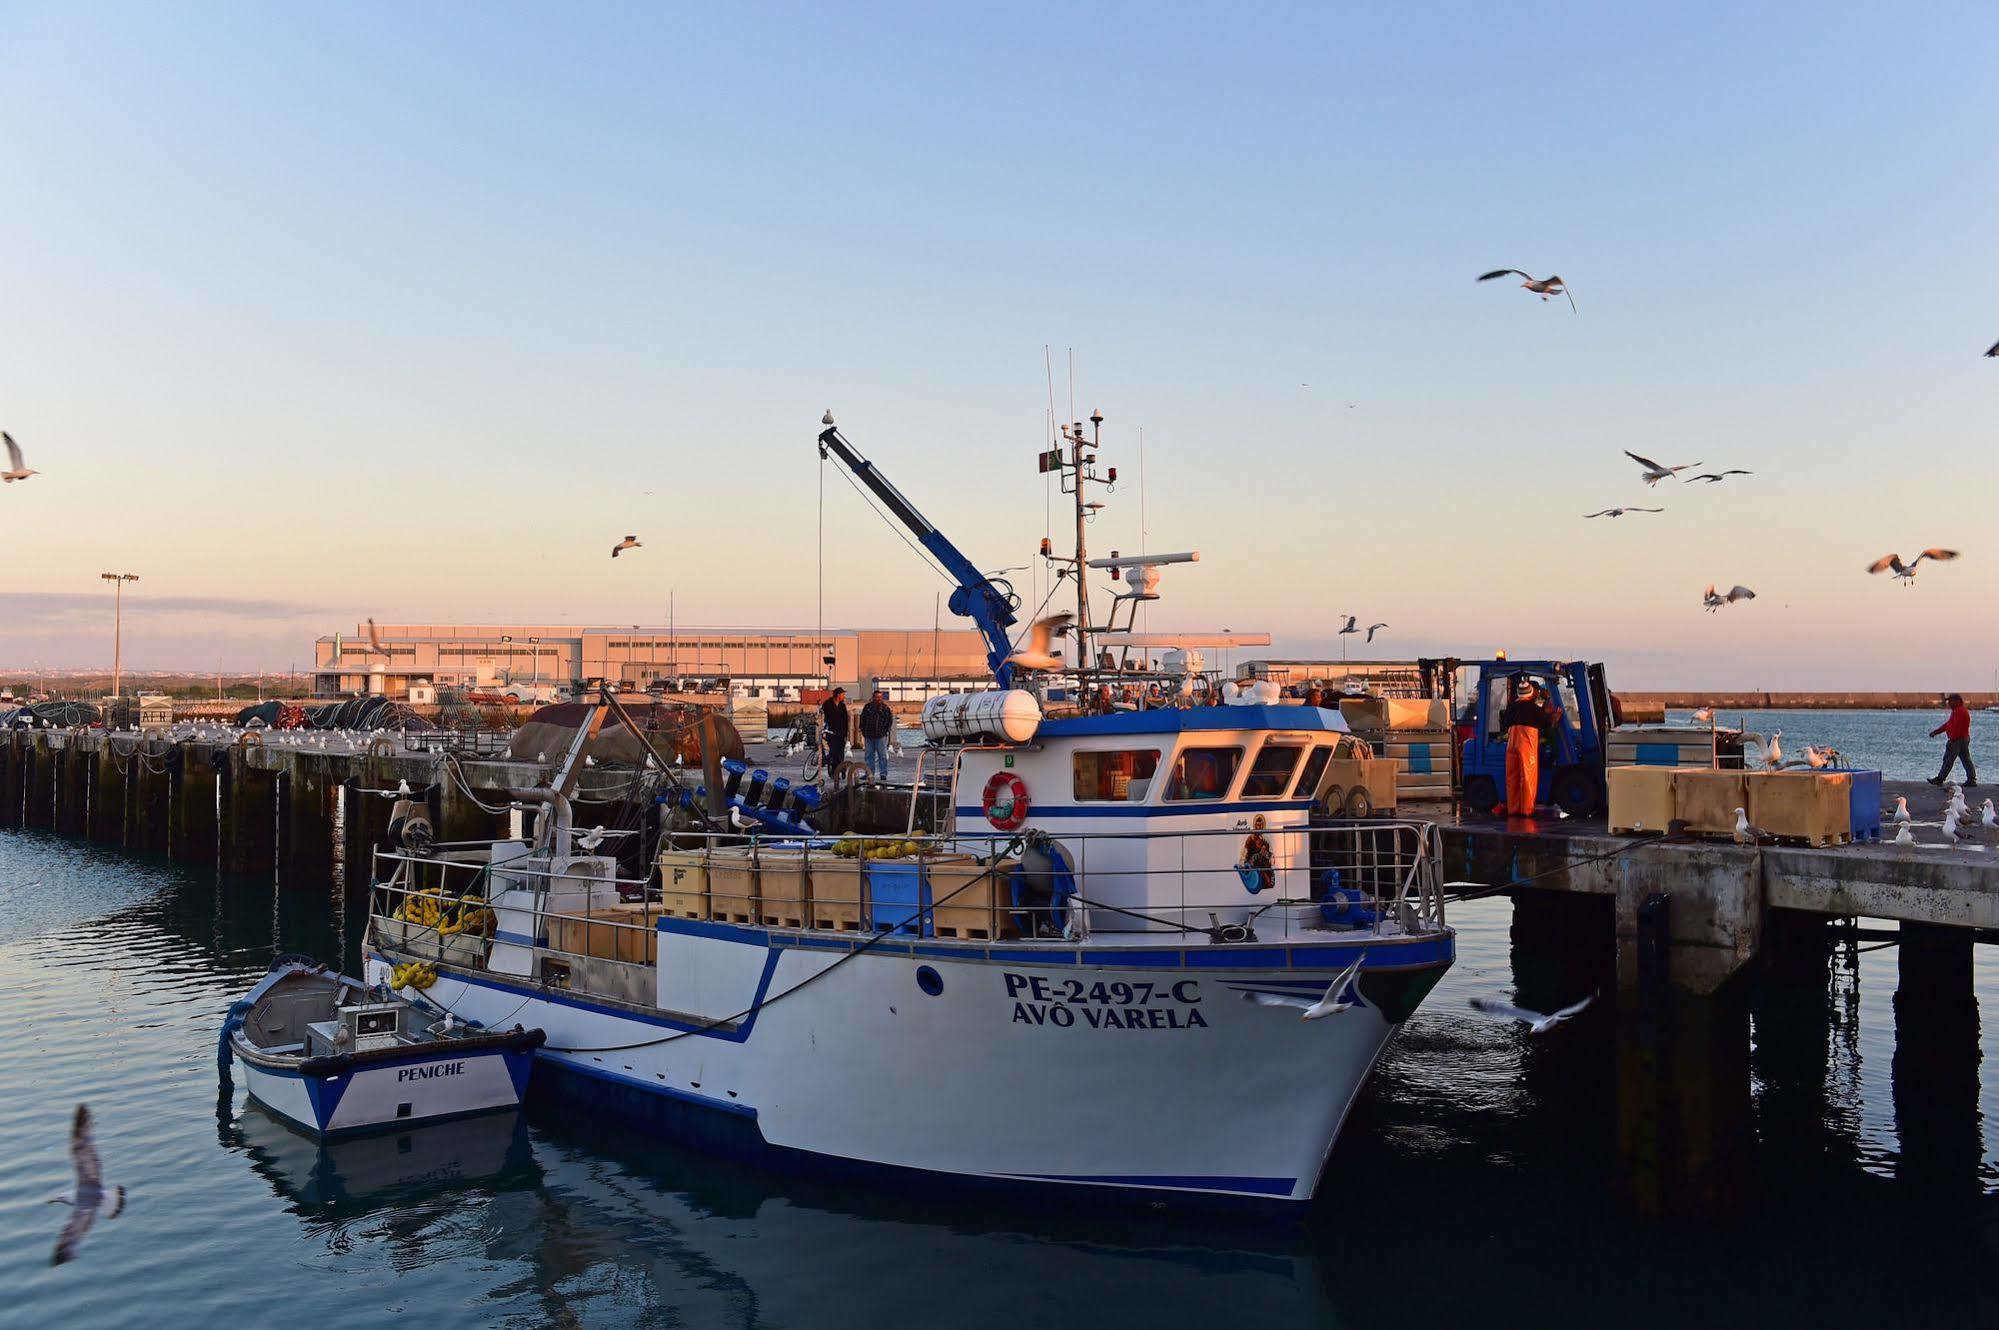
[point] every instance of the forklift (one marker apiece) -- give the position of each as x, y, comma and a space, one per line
1572, 759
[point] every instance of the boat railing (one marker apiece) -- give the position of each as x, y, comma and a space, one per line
1371, 878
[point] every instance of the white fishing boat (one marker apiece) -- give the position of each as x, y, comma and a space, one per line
1131, 962
330, 1054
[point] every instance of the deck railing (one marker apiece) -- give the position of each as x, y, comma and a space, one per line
1366, 877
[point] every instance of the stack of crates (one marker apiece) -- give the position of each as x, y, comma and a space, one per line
1414, 734
1660, 746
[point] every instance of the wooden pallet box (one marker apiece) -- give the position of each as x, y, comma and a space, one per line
1706, 800
784, 885
1417, 713
683, 884
1641, 798
1365, 714
971, 900
733, 887
621, 932
839, 892
1815, 807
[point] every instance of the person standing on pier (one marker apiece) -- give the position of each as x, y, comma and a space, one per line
1523, 722
833, 729
1956, 732
877, 723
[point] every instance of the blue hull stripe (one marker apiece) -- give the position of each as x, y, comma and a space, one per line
1383, 953
1191, 808
1257, 1186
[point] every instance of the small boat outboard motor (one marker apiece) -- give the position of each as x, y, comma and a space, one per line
1042, 886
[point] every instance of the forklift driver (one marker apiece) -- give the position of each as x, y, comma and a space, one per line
1523, 722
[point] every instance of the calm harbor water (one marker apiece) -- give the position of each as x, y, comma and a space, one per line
1894, 742
1478, 1179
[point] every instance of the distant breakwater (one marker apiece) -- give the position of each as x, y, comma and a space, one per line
1740, 700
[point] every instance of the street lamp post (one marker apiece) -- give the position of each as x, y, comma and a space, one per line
509, 641
118, 581
535, 642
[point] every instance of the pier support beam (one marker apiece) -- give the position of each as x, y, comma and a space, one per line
72, 787
1936, 1058
11, 742
249, 819
107, 795
1684, 1124
38, 799
1791, 1010
152, 785
1716, 918
307, 815
191, 820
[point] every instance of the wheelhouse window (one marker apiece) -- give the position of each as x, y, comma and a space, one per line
1315, 768
1270, 774
1203, 773
1124, 776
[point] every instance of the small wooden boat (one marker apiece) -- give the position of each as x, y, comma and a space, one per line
331, 1055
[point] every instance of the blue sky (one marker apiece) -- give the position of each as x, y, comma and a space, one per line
410, 311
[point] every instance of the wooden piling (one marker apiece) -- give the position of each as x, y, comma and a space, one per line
249, 819
191, 805
11, 744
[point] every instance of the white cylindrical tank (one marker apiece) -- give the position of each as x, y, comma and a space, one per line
1012, 716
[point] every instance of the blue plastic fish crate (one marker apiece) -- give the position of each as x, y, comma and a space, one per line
1866, 813
899, 897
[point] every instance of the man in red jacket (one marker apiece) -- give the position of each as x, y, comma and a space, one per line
1956, 732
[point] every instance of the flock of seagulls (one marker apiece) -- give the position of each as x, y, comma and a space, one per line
1352, 625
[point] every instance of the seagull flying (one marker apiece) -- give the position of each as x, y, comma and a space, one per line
1374, 628
374, 638
1543, 287
590, 839
89, 1200
1906, 572
1619, 512
1039, 653
1654, 472
1536, 1022
16, 468
1331, 1004
628, 543
1994, 351
1712, 600
1704, 716
1352, 625
1713, 476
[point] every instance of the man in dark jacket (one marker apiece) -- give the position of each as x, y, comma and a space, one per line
833, 729
1956, 732
877, 724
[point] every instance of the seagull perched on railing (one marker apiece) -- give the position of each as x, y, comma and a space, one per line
89, 1199
1711, 600
1655, 472
1906, 572
1536, 1022
1543, 287
16, 468
1331, 1004
1039, 652
1619, 512
628, 543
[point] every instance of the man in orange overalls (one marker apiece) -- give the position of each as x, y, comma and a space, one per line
1523, 722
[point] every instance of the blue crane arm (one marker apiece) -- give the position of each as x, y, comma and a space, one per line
987, 603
